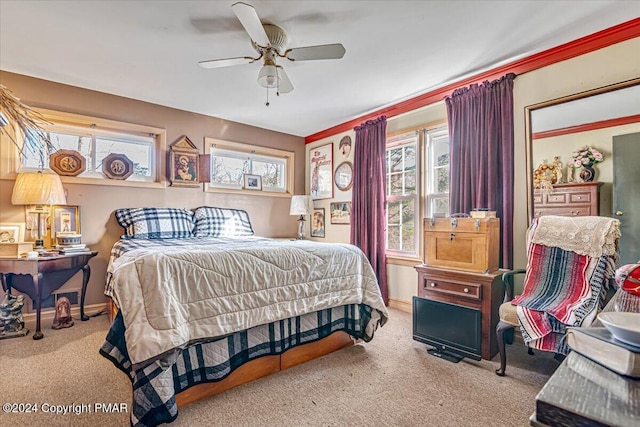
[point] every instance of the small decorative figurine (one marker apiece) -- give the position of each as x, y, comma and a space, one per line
557, 166
11, 319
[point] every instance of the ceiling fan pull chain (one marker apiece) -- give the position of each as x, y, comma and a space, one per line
267, 103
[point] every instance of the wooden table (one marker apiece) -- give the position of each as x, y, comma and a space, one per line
40, 277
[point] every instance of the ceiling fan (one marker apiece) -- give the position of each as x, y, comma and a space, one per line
270, 42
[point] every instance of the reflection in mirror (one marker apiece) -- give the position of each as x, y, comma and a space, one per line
606, 120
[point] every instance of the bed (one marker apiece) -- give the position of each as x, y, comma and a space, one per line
204, 305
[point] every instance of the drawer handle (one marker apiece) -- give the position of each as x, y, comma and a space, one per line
575, 212
579, 197
466, 290
433, 285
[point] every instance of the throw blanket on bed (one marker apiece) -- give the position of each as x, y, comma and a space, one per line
171, 296
570, 262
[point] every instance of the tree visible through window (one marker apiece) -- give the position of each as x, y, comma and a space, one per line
402, 193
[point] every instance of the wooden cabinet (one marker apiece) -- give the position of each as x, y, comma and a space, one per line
467, 244
568, 200
480, 291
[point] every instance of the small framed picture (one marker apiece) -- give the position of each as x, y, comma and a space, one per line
252, 182
340, 212
65, 220
184, 169
317, 223
11, 232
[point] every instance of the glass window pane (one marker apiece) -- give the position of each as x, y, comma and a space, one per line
442, 180
410, 183
272, 174
440, 207
396, 185
408, 239
395, 158
410, 157
393, 213
393, 238
408, 211
139, 154
228, 170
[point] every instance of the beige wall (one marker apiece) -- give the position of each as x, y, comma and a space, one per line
606, 66
269, 215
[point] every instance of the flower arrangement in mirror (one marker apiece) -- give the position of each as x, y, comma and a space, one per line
18, 119
584, 159
545, 176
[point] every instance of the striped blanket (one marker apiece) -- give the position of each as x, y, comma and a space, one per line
563, 287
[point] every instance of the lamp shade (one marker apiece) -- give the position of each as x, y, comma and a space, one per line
268, 76
38, 188
301, 205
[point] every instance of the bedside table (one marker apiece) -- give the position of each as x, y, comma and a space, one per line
47, 274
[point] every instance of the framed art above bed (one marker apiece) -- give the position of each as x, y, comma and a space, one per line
184, 164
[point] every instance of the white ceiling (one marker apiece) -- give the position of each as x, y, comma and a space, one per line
149, 50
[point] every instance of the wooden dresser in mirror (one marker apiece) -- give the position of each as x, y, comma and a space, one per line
574, 199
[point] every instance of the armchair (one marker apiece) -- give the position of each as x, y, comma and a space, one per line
570, 261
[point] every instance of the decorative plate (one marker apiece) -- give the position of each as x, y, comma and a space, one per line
117, 166
67, 163
624, 326
343, 176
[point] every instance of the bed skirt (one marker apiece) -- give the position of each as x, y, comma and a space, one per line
155, 386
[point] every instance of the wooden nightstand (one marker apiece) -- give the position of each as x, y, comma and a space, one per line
46, 274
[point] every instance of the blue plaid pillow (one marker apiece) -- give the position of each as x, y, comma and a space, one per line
219, 222
155, 223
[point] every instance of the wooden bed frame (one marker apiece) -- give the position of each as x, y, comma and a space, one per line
262, 366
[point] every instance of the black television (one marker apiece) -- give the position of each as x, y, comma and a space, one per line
454, 331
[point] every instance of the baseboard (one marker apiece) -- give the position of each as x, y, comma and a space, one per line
49, 314
400, 305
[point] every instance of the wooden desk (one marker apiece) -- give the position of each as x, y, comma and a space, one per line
39, 278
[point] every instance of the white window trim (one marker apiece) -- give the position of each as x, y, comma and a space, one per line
394, 142
288, 156
430, 168
10, 157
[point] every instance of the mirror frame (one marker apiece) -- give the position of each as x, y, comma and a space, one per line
529, 136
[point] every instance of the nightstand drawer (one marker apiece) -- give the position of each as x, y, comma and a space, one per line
467, 290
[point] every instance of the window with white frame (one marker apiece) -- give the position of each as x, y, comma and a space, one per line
95, 139
403, 194
231, 161
437, 172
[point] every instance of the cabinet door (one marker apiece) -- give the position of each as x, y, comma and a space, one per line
626, 196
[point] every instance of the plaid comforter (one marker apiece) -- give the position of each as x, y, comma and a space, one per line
155, 385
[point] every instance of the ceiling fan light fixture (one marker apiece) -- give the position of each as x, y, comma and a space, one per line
268, 76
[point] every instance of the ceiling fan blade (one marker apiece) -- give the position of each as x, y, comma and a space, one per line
308, 53
251, 22
226, 62
284, 85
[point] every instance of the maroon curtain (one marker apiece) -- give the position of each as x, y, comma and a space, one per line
368, 218
481, 153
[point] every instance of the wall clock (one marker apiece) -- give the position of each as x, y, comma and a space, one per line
67, 163
343, 176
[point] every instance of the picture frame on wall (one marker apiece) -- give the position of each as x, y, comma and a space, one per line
321, 172
184, 163
65, 219
11, 232
317, 222
252, 182
340, 212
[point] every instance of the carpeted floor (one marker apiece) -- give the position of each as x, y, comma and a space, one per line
391, 381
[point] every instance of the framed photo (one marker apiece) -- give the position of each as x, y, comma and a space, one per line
11, 232
343, 176
340, 212
321, 172
317, 222
184, 164
117, 166
252, 182
65, 220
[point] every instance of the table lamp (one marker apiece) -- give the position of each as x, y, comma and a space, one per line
39, 189
301, 205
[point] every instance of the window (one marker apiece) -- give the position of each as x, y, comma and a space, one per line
230, 161
437, 173
402, 194
94, 139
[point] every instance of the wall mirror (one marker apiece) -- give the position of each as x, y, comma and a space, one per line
607, 119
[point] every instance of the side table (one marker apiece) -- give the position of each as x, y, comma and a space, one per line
39, 278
